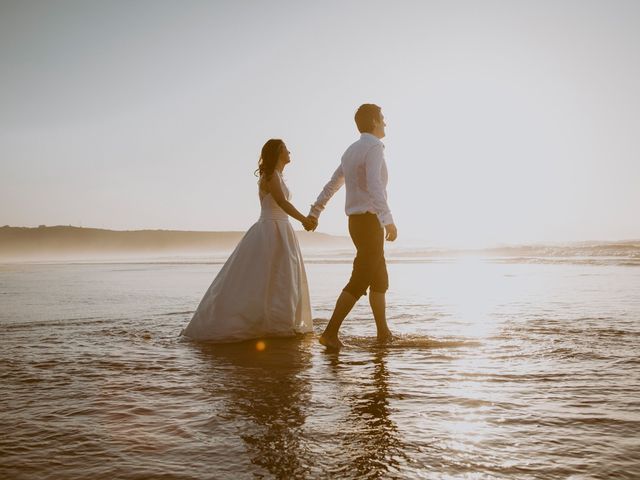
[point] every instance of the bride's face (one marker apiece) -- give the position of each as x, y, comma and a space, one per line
284, 155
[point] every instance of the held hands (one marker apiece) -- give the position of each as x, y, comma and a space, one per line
392, 232
310, 223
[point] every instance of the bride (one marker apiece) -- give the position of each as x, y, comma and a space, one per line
261, 291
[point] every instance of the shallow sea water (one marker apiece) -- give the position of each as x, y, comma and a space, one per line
500, 370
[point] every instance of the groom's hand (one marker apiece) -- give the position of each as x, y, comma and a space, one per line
311, 223
392, 232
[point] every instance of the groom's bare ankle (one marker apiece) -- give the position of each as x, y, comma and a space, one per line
331, 341
385, 335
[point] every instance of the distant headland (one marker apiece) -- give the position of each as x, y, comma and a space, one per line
69, 241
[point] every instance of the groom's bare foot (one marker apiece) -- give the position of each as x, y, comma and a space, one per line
385, 337
332, 342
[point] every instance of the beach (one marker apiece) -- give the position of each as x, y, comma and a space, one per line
490, 149
503, 368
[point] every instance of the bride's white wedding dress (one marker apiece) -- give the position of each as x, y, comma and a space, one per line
262, 290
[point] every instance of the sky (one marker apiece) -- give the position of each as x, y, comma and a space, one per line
507, 121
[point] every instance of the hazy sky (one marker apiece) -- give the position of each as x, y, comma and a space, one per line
508, 121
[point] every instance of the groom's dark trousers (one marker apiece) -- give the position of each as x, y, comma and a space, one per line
369, 266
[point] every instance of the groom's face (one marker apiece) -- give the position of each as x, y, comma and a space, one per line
378, 129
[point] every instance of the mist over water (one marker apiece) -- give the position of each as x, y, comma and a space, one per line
510, 367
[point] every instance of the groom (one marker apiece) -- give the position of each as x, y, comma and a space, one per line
364, 172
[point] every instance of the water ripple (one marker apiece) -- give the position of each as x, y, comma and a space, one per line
524, 388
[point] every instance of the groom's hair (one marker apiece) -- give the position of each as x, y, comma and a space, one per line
366, 115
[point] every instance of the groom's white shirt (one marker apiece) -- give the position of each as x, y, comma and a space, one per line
364, 172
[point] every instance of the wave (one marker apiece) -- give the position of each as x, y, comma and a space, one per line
408, 341
623, 253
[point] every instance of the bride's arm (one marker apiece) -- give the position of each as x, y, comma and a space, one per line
276, 192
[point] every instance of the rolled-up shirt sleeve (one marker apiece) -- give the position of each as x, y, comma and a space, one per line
332, 186
375, 165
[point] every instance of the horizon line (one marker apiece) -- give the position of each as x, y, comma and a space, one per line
408, 240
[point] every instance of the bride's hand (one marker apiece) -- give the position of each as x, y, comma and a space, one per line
310, 223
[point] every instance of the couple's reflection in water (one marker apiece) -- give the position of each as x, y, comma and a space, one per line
265, 394
370, 442
273, 390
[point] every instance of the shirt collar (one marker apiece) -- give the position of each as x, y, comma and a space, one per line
369, 136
